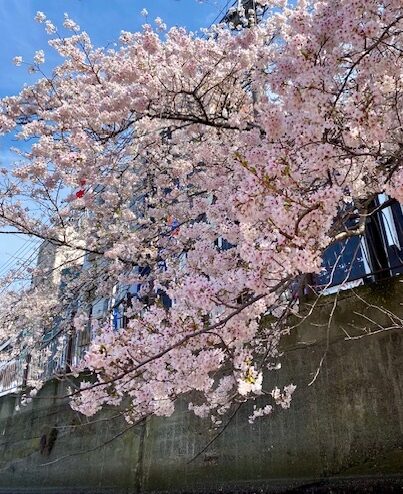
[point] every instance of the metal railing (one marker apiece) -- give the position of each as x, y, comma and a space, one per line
12, 376
51, 360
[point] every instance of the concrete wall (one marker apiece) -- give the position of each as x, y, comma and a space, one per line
346, 427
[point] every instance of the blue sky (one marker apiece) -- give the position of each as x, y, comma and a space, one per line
103, 20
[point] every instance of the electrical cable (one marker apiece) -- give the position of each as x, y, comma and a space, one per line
18, 256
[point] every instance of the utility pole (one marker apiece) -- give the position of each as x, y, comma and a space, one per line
243, 13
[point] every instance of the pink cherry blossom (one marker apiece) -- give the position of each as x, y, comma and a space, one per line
212, 170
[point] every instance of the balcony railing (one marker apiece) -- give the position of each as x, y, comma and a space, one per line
12, 376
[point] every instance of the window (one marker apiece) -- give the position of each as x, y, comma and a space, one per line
374, 256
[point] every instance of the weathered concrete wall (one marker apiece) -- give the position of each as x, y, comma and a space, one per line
348, 423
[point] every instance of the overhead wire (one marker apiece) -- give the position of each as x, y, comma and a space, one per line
20, 269
24, 249
224, 9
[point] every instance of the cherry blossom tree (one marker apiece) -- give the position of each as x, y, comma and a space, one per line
213, 170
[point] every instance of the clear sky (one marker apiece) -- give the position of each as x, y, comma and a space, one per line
103, 20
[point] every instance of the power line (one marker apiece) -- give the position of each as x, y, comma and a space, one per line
18, 255
25, 264
220, 14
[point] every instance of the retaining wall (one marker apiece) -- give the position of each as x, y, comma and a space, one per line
344, 431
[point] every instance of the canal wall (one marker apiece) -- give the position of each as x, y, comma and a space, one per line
344, 431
